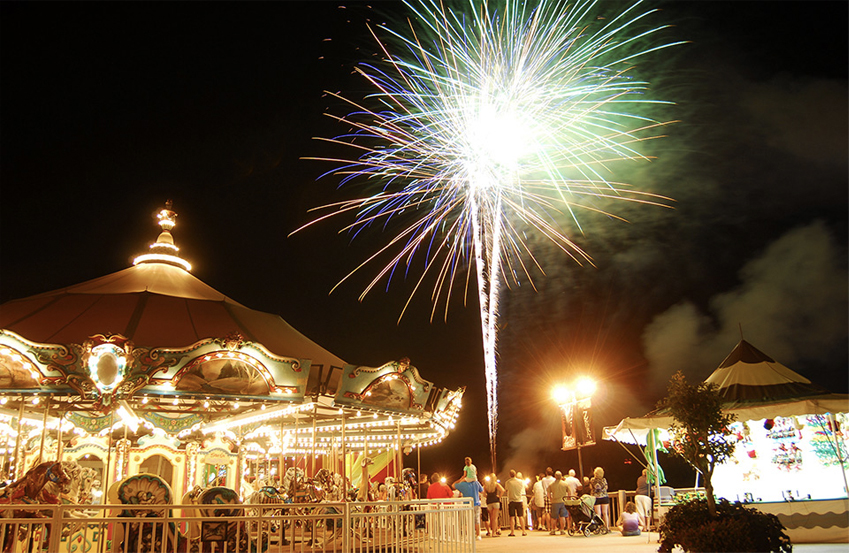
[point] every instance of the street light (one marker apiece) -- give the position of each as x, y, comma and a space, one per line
575, 402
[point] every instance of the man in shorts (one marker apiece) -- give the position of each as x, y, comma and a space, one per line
515, 506
547, 480
558, 491
473, 490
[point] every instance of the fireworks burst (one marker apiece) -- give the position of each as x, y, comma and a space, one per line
488, 124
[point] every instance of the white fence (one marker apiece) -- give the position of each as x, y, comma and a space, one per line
426, 526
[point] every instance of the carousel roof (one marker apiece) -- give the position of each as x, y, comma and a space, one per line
158, 343
155, 303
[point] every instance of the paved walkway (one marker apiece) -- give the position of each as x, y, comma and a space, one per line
542, 542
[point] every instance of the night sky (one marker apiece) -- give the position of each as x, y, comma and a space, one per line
109, 109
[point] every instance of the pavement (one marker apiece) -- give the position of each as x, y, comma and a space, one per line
542, 542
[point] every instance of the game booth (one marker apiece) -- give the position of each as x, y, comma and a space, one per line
791, 449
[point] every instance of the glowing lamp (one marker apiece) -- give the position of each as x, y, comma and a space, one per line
585, 387
561, 395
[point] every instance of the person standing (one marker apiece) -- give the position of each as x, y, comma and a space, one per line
547, 480
573, 484
493, 490
539, 504
598, 485
472, 490
438, 489
557, 492
643, 499
421, 488
515, 491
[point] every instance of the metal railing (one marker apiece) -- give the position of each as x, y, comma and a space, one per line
438, 526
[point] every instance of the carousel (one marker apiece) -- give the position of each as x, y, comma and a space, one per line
149, 371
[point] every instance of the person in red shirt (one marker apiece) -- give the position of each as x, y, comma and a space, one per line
438, 489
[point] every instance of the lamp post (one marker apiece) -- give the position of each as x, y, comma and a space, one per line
575, 402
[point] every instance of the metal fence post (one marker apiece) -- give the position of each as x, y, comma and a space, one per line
55, 529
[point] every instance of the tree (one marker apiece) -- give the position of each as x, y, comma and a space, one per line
700, 431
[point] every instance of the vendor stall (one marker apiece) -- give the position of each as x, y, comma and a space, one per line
791, 445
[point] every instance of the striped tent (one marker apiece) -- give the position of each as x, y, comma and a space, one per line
754, 386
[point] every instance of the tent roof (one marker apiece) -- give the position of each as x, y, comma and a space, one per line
748, 375
755, 387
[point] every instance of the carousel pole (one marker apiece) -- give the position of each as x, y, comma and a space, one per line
281, 463
366, 483
344, 461
109, 452
312, 461
6, 467
239, 458
60, 446
295, 456
43, 431
18, 445
399, 459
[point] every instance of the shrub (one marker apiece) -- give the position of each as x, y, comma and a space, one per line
736, 528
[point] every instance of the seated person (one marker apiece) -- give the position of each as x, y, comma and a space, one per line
630, 521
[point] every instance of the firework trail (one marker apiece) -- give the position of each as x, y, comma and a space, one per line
486, 125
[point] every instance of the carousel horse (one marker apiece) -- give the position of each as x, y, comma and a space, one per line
144, 496
293, 481
268, 495
409, 481
42, 484
218, 502
330, 487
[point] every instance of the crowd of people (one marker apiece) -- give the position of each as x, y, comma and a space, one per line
545, 499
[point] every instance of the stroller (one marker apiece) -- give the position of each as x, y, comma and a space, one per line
584, 519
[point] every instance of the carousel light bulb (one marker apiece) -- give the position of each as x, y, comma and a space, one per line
35, 400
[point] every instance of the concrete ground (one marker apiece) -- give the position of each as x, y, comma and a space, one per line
542, 542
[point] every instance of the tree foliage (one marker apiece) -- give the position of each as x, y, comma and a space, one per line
700, 429
736, 527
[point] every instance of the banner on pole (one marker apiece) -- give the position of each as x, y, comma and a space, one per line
577, 425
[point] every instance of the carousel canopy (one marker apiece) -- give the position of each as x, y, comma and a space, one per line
754, 386
153, 304
159, 347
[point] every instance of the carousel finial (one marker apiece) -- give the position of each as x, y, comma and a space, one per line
164, 250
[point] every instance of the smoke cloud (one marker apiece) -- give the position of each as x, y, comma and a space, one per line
791, 304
